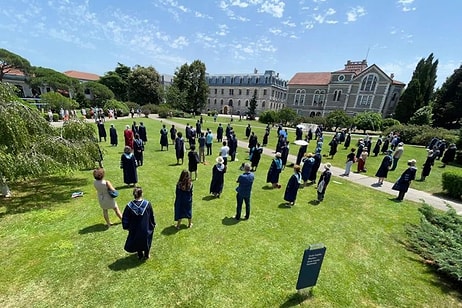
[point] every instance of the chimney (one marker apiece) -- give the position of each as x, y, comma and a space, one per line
255, 71
392, 75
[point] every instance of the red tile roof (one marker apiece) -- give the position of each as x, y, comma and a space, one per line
317, 79
14, 71
81, 75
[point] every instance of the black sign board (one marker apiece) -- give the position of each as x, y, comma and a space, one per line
311, 266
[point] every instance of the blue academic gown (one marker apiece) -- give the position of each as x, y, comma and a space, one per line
290, 195
128, 164
138, 219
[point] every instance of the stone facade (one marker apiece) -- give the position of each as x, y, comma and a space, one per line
356, 88
231, 93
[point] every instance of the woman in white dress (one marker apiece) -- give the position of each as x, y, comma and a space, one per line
106, 202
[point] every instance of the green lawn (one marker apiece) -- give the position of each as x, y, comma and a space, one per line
56, 251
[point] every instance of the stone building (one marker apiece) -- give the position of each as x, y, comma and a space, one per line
231, 93
356, 88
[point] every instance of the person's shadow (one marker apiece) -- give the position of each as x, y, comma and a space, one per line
170, 230
94, 228
209, 198
125, 263
229, 221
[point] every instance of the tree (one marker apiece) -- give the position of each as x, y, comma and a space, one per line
448, 101
99, 92
423, 116
10, 61
287, 115
117, 81
253, 105
144, 86
176, 98
419, 91
190, 80
338, 118
368, 121
56, 101
31, 148
268, 117
55, 80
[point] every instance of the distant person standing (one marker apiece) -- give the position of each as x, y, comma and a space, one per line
218, 177
128, 165
193, 160
404, 181
142, 132
128, 136
179, 148
256, 156
324, 180
290, 195
113, 136
397, 155
274, 171
350, 160
183, 199
427, 167
385, 166
202, 148
173, 132
248, 130
138, 219
219, 133
138, 149
163, 138
224, 153
101, 131
244, 191
209, 141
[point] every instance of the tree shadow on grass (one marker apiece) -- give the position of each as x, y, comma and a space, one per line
229, 221
297, 299
94, 228
125, 263
174, 165
446, 196
45, 192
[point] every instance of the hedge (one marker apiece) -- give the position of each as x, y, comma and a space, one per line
452, 183
421, 135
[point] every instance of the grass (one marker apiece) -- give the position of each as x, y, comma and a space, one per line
56, 251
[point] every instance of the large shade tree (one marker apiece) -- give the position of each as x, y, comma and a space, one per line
447, 108
56, 81
419, 92
368, 121
10, 61
99, 92
117, 81
144, 86
190, 80
31, 148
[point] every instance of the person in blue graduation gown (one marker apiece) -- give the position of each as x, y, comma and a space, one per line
138, 219
128, 164
290, 195
274, 171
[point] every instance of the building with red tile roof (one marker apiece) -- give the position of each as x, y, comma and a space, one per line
82, 76
354, 89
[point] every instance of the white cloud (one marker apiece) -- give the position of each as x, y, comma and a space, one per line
322, 18
222, 30
406, 5
354, 13
275, 31
273, 7
179, 42
308, 25
239, 3
289, 23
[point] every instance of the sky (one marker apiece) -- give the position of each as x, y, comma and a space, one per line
234, 36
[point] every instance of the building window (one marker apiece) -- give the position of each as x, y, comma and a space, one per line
240, 80
223, 80
208, 101
216, 91
231, 91
222, 91
221, 102
247, 92
312, 114
240, 91
364, 100
215, 101
341, 77
300, 95
369, 83
337, 94
319, 96
247, 103
393, 97
263, 104
264, 91
239, 103
87, 91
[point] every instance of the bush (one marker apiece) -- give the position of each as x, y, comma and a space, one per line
150, 109
120, 107
268, 117
420, 135
452, 183
55, 117
438, 239
164, 111
389, 122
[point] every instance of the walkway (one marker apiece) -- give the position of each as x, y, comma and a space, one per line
359, 178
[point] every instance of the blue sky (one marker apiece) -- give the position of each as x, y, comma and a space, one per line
234, 36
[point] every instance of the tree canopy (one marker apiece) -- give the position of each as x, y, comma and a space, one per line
144, 86
368, 121
55, 101
419, 91
99, 92
117, 81
30, 147
9, 61
338, 118
192, 85
57, 81
253, 105
448, 101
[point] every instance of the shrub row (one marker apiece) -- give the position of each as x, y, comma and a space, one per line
452, 183
421, 135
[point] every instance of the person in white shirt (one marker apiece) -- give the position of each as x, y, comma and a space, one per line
224, 153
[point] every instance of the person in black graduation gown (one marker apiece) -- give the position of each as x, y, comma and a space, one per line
290, 195
113, 135
163, 138
101, 131
220, 133
183, 199
218, 177
128, 164
142, 133
404, 181
138, 219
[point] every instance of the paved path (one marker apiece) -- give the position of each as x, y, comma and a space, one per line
358, 178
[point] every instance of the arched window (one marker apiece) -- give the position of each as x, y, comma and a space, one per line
247, 103
337, 94
263, 104
221, 102
318, 114
297, 96
302, 97
369, 83
312, 114
393, 97
215, 101
239, 103
230, 103
208, 101
319, 96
